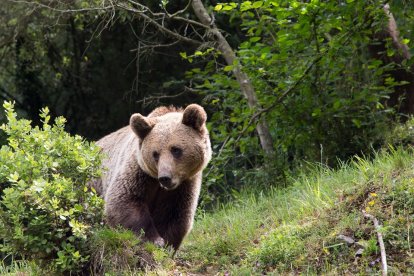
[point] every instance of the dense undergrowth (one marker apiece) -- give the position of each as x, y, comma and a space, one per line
299, 229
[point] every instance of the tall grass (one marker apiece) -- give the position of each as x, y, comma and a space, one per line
282, 230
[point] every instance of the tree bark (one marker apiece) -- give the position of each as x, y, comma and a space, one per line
403, 96
246, 86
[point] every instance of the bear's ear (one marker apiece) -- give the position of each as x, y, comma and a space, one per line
141, 125
194, 116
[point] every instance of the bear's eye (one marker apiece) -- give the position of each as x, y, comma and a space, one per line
156, 155
176, 152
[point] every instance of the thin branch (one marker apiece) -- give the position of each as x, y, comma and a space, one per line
178, 12
155, 46
41, 5
161, 28
144, 8
190, 21
134, 7
163, 15
380, 241
157, 98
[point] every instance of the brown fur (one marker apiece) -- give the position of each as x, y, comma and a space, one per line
134, 197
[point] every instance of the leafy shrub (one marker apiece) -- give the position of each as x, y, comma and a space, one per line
401, 134
47, 211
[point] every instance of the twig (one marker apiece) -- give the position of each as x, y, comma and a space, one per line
61, 10
178, 12
160, 27
380, 241
154, 46
159, 97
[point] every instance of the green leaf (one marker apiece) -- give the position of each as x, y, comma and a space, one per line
255, 39
245, 6
228, 68
257, 4
316, 112
337, 104
227, 8
356, 122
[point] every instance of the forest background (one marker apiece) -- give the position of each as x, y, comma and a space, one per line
328, 78
286, 84
299, 81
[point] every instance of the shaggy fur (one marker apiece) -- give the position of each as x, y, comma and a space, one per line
170, 144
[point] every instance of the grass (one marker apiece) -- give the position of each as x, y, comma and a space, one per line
297, 230
19, 268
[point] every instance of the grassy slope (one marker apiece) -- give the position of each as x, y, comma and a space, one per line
296, 230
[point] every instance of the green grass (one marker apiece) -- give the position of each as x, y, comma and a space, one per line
20, 268
295, 230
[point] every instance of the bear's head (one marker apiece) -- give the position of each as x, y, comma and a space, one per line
174, 146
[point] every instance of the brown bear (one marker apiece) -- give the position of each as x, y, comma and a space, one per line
152, 173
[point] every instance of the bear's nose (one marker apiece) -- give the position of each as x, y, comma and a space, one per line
165, 181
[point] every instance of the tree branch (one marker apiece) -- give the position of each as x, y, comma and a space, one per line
160, 27
380, 241
242, 78
178, 12
41, 5
157, 98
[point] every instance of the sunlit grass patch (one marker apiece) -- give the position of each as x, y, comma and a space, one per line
120, 251
19, 268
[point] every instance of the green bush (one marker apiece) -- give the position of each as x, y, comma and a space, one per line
47, 211
401, 134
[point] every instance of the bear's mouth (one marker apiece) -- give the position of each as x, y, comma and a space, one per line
168, 188
167, 183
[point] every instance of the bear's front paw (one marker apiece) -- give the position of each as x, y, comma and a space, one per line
158, 241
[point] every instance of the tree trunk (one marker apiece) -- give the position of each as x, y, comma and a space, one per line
379, 50
245, 85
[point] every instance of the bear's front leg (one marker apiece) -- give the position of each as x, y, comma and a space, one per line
174, 219
175, 210
134, 216
175, 232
